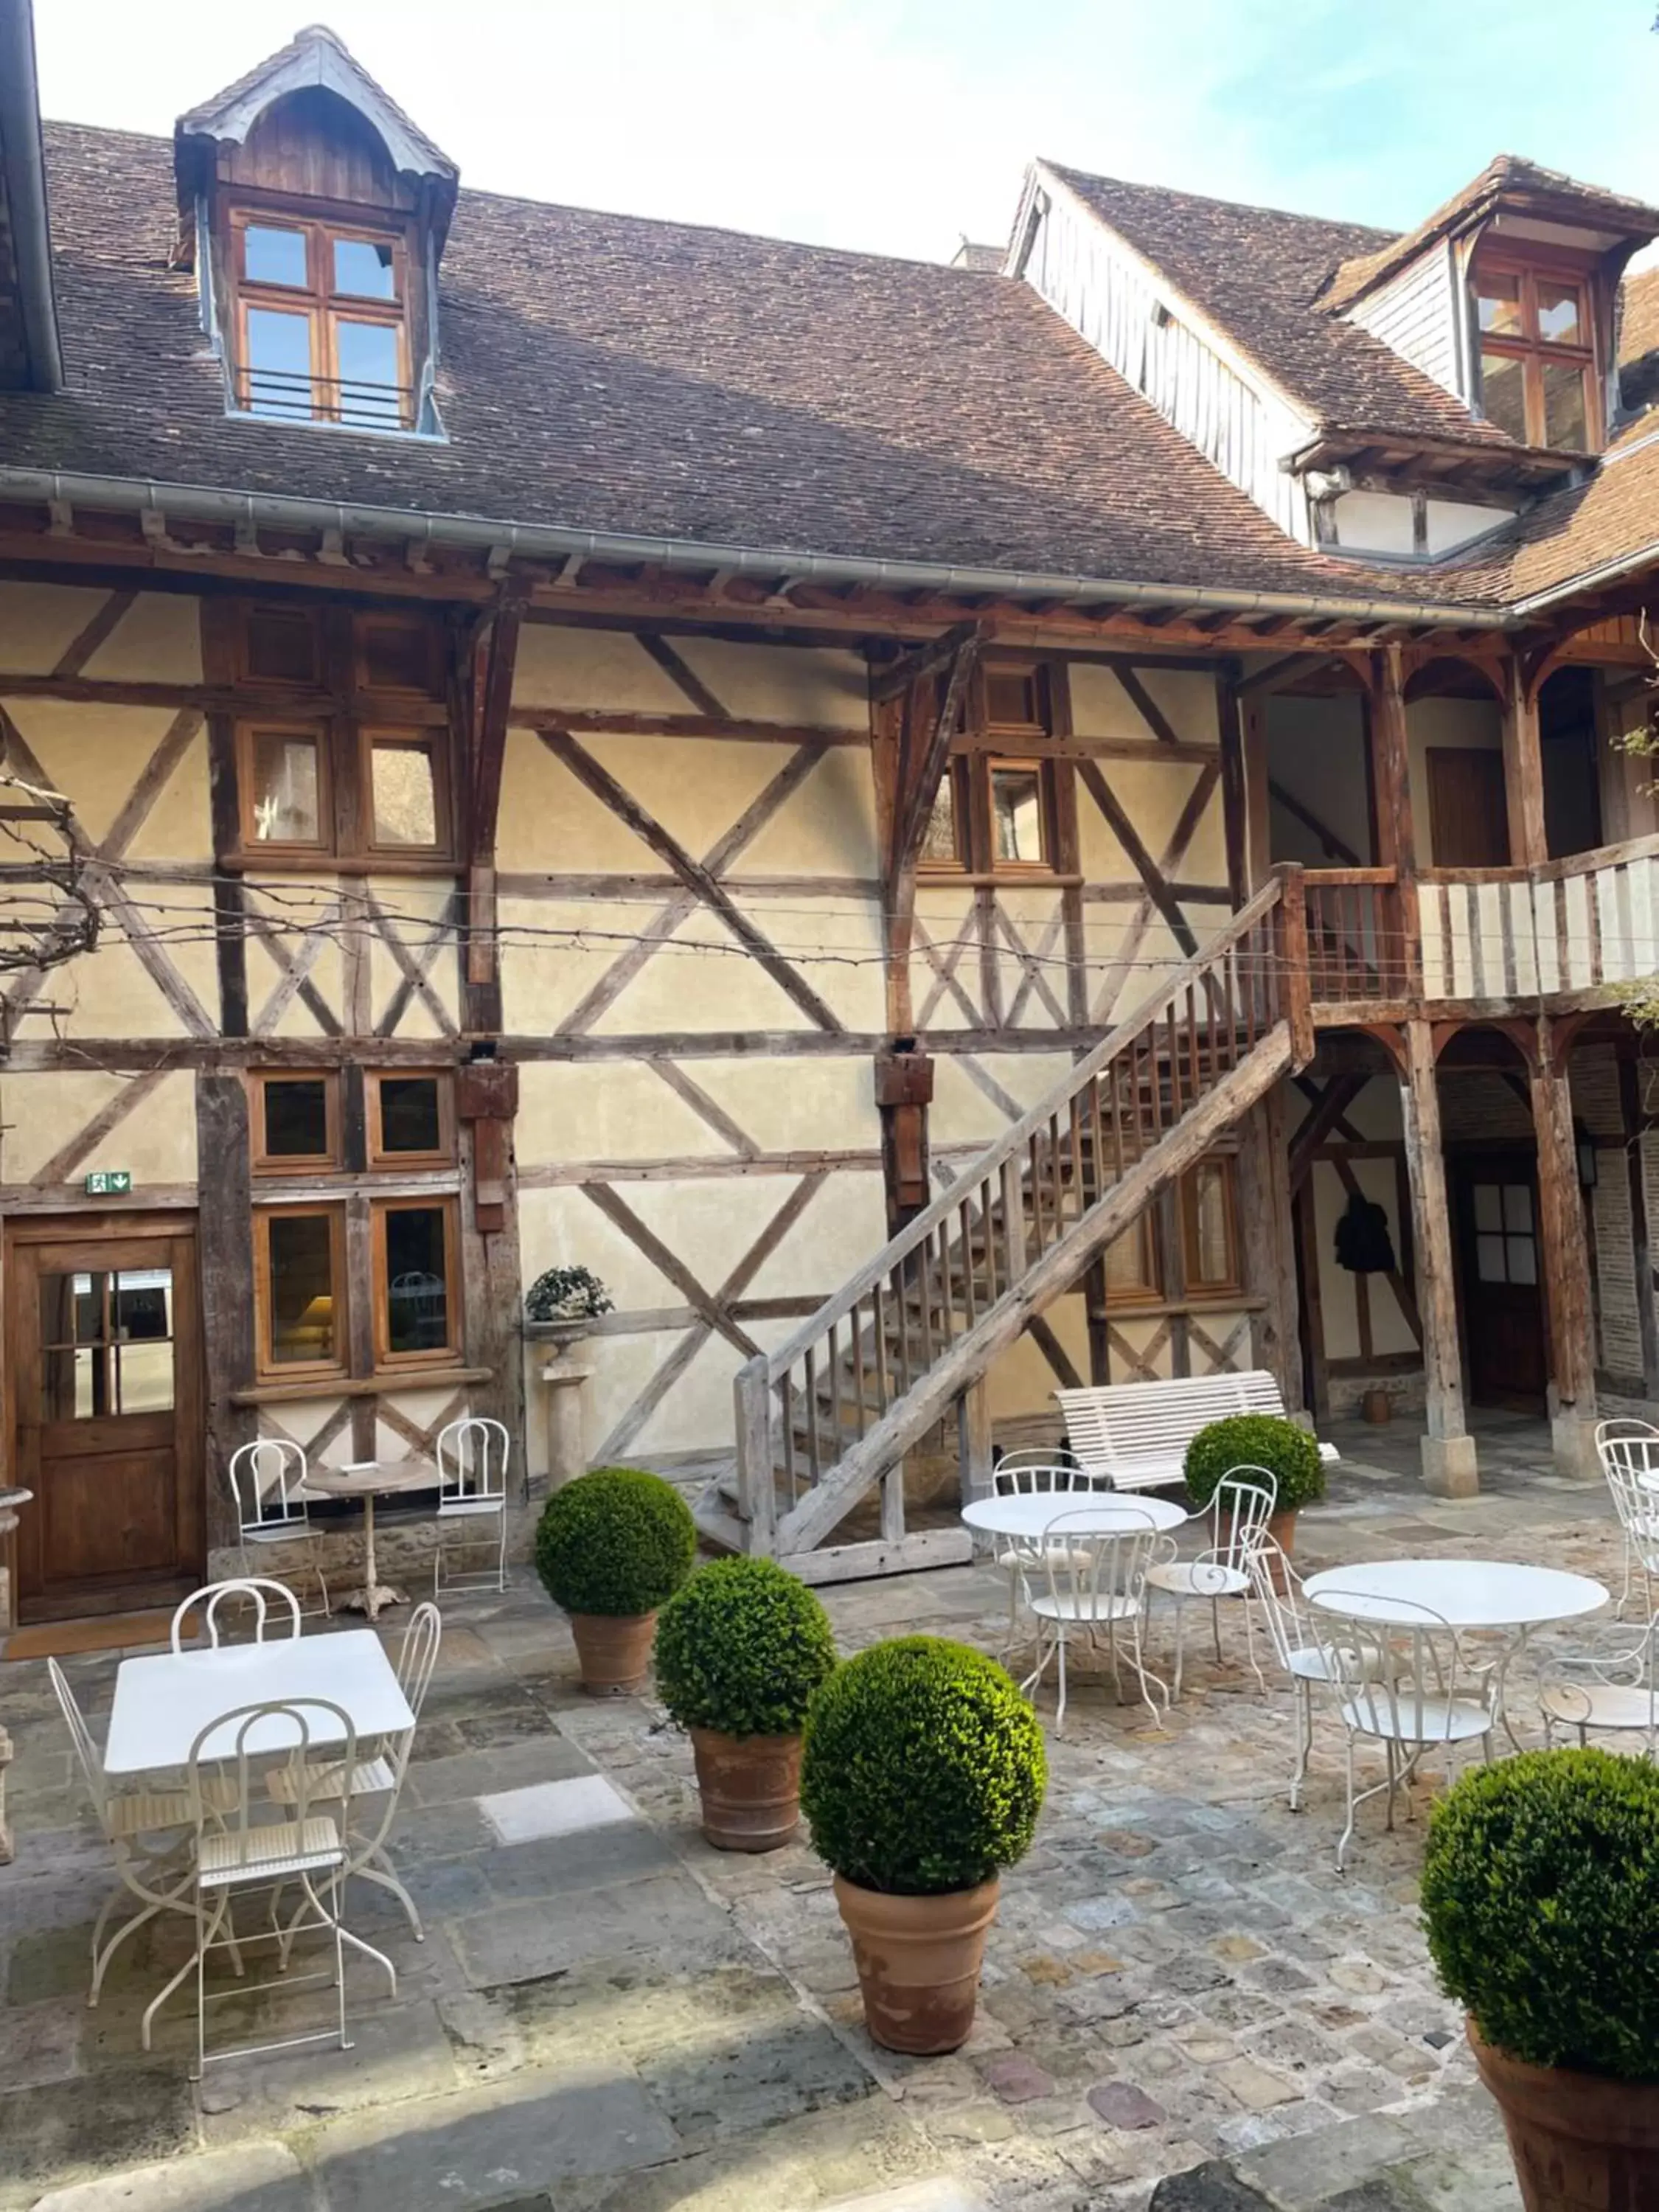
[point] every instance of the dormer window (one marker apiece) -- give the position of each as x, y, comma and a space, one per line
322, 331
1538, 371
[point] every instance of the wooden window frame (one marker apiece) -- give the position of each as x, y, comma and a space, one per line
432, 738
323, 307
377, 1155
1532, 350
388, 1361
1149, 1291
267, 1367
321, 730
1202, 1289
981, 748
266, 1163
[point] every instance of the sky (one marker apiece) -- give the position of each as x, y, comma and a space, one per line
898, 126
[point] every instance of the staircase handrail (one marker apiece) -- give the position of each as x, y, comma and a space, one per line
1284, 885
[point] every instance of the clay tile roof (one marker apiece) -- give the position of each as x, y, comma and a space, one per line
604, 373
1639, 339
1261, 276
1507, 177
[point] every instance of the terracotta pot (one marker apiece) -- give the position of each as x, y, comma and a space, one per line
919, 1959
1580, 2143
615, 1650
1281, 1527
751, 1787
1376, 1407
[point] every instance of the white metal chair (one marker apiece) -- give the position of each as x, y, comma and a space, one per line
1238, 1515
145, 1830
380, 1775
1277, 1588
267, 1481
268, 1598
1609, 1685
1027, 1474
1628, 1452
1089, 1573
1434, 1694
232, 1855
472, 1457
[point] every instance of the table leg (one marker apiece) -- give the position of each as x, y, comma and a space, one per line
374, 1593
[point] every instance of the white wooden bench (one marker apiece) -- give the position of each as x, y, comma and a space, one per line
1136, 1434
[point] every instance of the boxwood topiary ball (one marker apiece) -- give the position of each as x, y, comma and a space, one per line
1540, 1902
924, 1768
742, 1648
1290, 1455
616, 1541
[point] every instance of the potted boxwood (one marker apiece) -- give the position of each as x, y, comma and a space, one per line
1289, 1454
740, 1651
922, 1779
610, 1547
1540, 1902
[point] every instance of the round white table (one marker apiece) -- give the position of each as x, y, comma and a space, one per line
1463, 1593
368, 1479
1027, 1513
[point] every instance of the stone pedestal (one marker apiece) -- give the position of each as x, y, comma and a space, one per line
1449, 1469
1573, 1438
564, 1375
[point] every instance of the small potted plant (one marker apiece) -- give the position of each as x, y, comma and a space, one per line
740, 1651
563, 1303
922, 1779
1540, 1902
1289, 1454
610, 1547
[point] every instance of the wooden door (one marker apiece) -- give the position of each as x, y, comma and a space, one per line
106, 1363
1469, 809
1502, 1290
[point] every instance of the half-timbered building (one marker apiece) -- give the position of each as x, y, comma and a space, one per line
945, 831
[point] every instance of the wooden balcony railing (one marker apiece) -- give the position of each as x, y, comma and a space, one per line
1484, 936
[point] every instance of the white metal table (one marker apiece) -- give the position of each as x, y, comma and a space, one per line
164, 1701
368, 1479
1465, 1593
1025, 1514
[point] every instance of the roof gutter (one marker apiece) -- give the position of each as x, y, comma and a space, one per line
26, 189
545, 541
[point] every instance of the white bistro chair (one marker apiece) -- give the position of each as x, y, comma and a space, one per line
1238, 1515
1027, 1474
234, 1855
1277, 1588
472, 1457
1433, 1695
268, 1482
377, 1780
273, 1602
1089, 1573
1608, 1684
146, 1831
1628, 1452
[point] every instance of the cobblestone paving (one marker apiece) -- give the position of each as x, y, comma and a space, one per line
614, 2018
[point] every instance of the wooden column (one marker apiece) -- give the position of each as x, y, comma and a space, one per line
1647, 1320
1235, 789
1523, 771
1266, 1244
1448, 1459
974, 1440
1396, 834
225, 1255
1565, 1255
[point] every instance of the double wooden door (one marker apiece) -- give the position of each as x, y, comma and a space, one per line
104, 1356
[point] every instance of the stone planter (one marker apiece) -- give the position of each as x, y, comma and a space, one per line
1580, 2143
919, 1960
615, 1650
750, 1789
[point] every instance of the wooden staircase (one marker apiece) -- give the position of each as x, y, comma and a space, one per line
829, 1416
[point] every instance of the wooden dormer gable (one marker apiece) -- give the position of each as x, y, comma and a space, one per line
315, 213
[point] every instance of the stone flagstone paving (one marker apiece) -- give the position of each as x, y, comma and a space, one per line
607, 2016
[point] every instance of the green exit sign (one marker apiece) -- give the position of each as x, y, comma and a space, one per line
109, 1182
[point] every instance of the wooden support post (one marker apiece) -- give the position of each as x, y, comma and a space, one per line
1265, 1237
1565, 1255
757, 1490
225, 1248
974, 1440
1296, 995
1647, 1319
1396, 834
1448, 1456
1303, 1222
1235, 793
1524, 772
1100, 1334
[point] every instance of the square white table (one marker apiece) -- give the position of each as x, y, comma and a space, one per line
163, 1702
